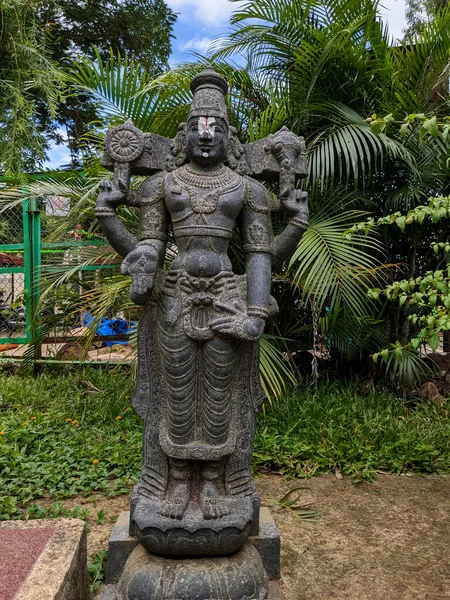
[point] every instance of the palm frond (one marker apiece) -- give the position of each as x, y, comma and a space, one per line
335, 271
275, 371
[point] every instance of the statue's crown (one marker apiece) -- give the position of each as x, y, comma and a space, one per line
209, 90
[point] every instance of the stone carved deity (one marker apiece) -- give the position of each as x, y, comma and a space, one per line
198, 387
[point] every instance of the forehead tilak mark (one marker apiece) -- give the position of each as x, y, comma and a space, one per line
207, 124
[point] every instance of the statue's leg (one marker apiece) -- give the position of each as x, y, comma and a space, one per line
179, 489
220, 361
220, 365
212, 491
179, 360
153, 481
238, 474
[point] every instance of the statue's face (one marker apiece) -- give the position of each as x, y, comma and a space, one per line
207, 140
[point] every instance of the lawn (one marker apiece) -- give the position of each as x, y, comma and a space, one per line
67, 432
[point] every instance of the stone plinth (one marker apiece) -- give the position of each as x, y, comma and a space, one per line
43, 560
122, 544
238, 576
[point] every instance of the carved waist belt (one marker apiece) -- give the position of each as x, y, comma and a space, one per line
203, 230
179, 279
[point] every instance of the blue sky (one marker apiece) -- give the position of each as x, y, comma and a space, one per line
200, 21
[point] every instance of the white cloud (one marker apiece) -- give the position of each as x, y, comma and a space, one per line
211, 13
393, 13
200, 44
57, 156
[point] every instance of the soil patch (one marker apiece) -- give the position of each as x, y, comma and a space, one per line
386, 540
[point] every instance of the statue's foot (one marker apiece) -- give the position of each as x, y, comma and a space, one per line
176, 503
214, 508
212, 504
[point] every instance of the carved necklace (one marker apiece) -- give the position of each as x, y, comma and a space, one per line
219, 182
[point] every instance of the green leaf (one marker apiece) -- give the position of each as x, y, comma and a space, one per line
445, 132
404, 129
415, 343
375, 126
401, 222
431, 126
433, 341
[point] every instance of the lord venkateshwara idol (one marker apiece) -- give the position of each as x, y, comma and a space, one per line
198, 384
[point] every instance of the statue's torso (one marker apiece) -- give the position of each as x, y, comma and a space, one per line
203, 210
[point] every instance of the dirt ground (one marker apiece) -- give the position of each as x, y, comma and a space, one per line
386, 540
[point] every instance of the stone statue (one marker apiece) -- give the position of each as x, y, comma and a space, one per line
198, 387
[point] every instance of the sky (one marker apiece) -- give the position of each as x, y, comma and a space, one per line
200, 21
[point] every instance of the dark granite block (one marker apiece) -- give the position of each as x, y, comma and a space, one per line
267, 542
120, 546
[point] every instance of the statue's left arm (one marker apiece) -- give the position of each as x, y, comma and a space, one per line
257, 235
287, 241
290, 153
256, 232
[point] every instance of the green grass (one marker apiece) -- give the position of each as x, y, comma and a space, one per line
70, 432
338, 427
66, 433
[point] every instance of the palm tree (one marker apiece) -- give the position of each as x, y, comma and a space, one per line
323, 69
333, 65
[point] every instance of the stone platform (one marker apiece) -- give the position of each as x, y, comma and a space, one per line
122, 545
43, 560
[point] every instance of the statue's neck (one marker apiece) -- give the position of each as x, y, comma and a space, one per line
202, 169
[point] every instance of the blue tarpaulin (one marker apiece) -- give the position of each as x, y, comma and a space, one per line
108, 327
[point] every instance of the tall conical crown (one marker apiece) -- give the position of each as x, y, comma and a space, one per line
209, 90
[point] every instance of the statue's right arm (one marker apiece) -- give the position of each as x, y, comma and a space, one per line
153, 222
145, 253
154, 217
113, 194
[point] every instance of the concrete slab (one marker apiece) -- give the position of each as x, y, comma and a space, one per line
43, 560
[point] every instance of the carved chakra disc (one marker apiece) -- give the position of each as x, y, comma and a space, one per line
124, 143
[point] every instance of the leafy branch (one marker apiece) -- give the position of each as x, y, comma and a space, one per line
427, 125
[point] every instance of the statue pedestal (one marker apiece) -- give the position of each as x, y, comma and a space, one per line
131, 566
192, 535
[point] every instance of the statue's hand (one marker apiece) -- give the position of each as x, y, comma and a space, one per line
253, 328
115, 192
296, 205
141, 264
238, 325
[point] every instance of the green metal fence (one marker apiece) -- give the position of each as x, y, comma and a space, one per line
20, 261
25, 259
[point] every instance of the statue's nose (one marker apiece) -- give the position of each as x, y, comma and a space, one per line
205, 135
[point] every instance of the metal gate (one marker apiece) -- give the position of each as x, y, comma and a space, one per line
20, 257
24, 260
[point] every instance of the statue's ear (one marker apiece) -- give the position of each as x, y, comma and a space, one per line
236, 158
178, 154
180, 138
